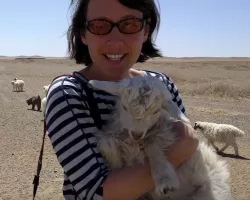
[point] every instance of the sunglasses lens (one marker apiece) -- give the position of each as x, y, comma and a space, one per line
129, 26
126, 26
99, 27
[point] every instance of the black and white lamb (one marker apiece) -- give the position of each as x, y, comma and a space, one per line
221, 133
141, 127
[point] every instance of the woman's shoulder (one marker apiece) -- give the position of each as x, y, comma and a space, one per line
66, 89
73, 79
73, 82
160, 75
170, 85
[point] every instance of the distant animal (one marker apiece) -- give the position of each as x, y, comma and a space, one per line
222, 133
18, 85
46, 87
141, 126
34, 101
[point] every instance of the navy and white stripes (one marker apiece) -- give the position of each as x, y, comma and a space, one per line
70, 129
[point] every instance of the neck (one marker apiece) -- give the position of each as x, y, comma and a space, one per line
92, 73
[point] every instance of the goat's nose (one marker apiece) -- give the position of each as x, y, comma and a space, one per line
136, 135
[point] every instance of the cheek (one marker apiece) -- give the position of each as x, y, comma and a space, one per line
136, 41
94, 43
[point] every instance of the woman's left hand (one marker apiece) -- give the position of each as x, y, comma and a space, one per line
186, 144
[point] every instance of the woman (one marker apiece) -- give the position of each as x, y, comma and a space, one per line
109, 37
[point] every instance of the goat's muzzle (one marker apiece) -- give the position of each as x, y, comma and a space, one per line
137, 136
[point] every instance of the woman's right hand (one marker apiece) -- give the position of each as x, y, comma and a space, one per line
185, 146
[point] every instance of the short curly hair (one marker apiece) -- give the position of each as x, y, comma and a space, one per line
79, 51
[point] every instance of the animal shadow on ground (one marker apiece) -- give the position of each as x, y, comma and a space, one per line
18, 91
34, 110
232, 156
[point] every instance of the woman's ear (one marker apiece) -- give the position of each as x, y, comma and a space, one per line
146, 31
83, 38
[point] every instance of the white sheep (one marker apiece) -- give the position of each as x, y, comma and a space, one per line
18, 85
222, 133
141, 126
46, 88
43, 103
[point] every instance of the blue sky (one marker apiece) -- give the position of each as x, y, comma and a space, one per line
188, 28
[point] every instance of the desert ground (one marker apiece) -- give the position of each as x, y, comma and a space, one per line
213, 89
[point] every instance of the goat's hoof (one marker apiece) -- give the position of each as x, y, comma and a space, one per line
219, 152
167, 190
166, 187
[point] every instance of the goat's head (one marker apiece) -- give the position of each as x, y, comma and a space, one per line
29, 101
141, 100
12, 82
198, 125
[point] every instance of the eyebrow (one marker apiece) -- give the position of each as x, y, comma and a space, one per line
129, 16
123, 17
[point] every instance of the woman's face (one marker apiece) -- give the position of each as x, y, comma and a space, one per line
113, 54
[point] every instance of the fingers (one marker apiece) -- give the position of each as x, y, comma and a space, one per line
186, 133
182, 128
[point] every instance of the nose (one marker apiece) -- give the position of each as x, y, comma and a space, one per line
115, 39
137, 135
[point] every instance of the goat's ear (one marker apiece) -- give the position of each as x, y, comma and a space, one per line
174, 111
108, 86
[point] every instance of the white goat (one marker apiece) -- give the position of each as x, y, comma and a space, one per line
18, 85
222, 133
46, 88
141, 127
44, 101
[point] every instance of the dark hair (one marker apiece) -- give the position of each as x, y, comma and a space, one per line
79, 51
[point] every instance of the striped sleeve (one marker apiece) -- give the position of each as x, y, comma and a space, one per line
174, 91
70, 130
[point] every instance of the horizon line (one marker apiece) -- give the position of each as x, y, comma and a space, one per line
172, 57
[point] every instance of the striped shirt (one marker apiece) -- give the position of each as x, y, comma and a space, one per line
70, 127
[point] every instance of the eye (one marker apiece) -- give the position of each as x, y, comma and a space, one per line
124, 107
155, 112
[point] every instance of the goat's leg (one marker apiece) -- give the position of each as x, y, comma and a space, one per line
108, 147
212, 143
224, 148
162, 170
39, 106
204, 194
235, 146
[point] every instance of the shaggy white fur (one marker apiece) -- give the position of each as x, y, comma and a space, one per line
43, 103
18, 85
222, 133
141, 127
46, 88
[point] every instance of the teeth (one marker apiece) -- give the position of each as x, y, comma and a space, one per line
114, 56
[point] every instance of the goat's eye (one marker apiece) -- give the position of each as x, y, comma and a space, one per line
156, 112
124, 108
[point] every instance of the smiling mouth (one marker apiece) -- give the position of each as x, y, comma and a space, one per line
115, 57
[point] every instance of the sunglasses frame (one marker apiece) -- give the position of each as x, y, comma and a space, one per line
116, 24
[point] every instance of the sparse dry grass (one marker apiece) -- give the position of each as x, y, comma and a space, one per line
216, 90
221, 79
220, 89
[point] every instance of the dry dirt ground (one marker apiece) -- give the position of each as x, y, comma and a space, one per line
216, 90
